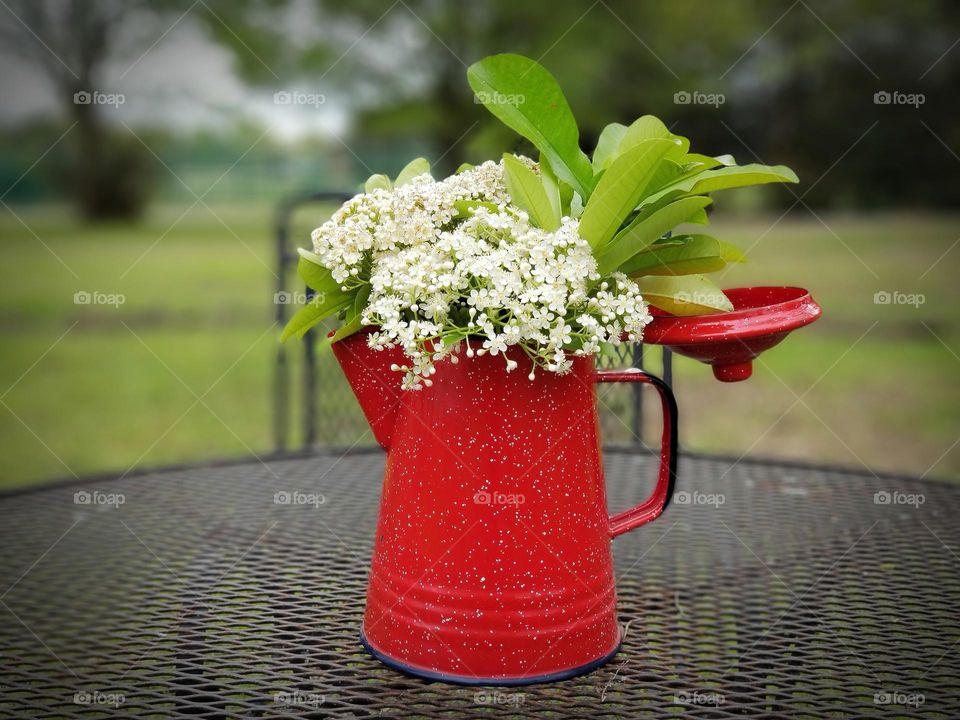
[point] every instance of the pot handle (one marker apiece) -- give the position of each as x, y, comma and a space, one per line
650, 508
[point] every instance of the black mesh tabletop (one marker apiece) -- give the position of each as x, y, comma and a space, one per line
236, 591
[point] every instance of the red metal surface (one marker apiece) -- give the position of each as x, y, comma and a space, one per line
492, 557
761, 318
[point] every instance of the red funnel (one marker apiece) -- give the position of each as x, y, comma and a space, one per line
761, 318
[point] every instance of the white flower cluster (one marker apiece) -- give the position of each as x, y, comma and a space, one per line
384, 220
489, 279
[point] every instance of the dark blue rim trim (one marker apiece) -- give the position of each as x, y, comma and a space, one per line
503, 682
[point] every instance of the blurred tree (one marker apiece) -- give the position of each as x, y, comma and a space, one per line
798, 79
72, 41
616, 60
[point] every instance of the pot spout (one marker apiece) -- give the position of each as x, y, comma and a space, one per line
375, 385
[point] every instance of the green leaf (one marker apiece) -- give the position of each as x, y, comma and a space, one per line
352, 323
731, 253
696, 161
619, 191
524, 96
647, 127
576, 205
667, 172
466, 208
551, 186
640, 234
726, 177
377, 182
314, 274
687, 295
414, 168
527, 192
607, 145
315, 312
463, 168
694, 254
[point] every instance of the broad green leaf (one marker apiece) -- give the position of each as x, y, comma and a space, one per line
647, 127
315, 312
695, 254
454, 338
466, 208
523, 95
527, 192
607, 145
551, 186
686, 295
699, 162
667, 172
314, 274
414, 168
727, 177
619, 191
576, 205
731, 253
352, 322
377, 182
463, 168
699, 218
640, 234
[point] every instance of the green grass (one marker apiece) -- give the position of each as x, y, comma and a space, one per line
92, 388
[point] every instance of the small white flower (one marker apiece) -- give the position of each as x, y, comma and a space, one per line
491, 276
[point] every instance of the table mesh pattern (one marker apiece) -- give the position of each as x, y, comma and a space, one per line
765, 590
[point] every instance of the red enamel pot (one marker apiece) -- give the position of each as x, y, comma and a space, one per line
729, 341
492, 560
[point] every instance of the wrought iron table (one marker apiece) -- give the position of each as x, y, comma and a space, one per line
237, 590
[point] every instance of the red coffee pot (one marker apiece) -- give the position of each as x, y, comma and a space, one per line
492, 560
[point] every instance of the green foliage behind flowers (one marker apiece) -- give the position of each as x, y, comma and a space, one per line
642, 182
551, 256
